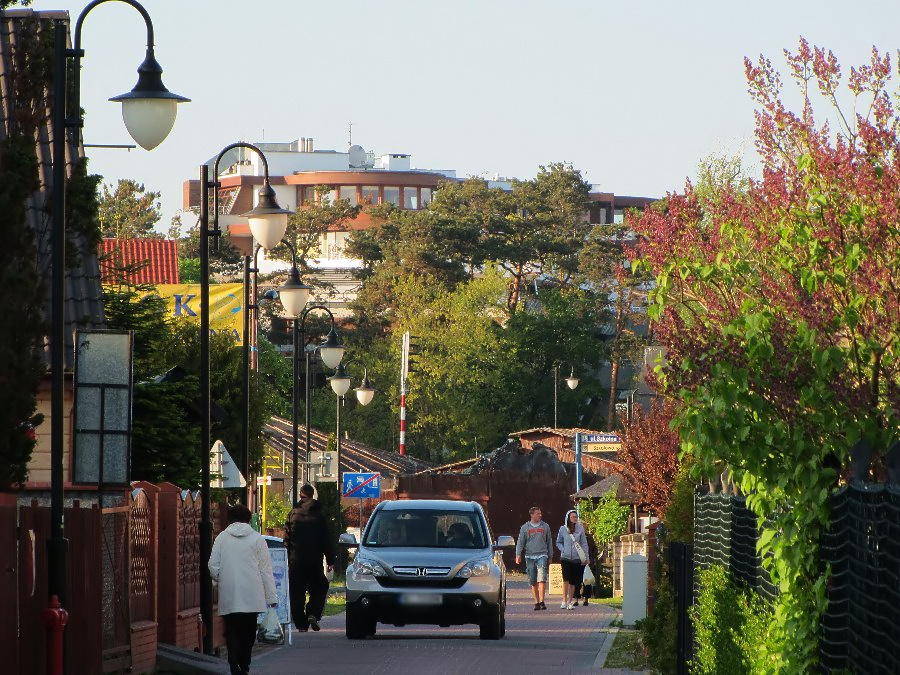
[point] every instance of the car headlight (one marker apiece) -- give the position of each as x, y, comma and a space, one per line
367, 568
475, 568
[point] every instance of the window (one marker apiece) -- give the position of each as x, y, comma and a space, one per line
331, 195
369, 195
348, 192
392, 196
308, 195
426, 197
426, 527
410, 198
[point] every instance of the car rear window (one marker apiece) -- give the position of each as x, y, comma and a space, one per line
432, 528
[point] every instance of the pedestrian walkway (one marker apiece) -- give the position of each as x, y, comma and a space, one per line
547, 642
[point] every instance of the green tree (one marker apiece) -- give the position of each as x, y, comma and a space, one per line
604, 518
129, 211
605, 266
309, 224
542, 229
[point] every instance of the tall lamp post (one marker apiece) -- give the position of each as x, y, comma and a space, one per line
268, 223
249, 306
365, 392
571, 382
149, 111
331, 351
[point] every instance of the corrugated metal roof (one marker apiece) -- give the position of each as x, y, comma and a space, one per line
153, 261
83, 298
355, 456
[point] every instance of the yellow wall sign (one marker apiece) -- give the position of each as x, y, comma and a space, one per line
601, 447
226, 306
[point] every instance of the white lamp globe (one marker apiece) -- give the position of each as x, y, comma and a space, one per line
332, 351
571, 380
365, 392
340, 381
149, 109
268, 222
294, 294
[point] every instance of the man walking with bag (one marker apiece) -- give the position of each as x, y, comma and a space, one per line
536, 543
308, 540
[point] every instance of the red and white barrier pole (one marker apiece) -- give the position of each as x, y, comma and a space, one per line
403, 423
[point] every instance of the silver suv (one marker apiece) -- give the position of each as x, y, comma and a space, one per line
426, 561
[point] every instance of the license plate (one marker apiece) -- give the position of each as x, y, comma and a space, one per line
420, 599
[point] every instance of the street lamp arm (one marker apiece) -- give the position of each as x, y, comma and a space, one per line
307, 310
93, 4
239, 144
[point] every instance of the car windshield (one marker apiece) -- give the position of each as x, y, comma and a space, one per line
433, 528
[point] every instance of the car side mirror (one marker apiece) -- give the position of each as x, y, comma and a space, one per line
347, 539
504, 541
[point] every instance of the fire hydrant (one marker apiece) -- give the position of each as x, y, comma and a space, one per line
55, 619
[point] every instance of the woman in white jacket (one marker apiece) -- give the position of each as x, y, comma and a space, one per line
241, 565
572, 544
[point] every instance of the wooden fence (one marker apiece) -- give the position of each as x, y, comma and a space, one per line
133, 581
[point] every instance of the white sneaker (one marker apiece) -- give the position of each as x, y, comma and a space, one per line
570, 606
564, 606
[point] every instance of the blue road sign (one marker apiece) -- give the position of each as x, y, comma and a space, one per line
361, 485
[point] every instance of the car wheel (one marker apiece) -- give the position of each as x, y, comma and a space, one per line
373, 627
491, 627
356, 627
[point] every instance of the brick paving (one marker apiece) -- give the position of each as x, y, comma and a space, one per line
550, 642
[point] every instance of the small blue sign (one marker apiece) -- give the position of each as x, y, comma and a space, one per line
362, 485
600, 438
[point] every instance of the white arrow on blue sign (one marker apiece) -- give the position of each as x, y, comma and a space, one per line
362, 485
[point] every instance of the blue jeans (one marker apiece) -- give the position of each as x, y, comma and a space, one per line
536, 568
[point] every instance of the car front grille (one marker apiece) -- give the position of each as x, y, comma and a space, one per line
422, 572
420, 582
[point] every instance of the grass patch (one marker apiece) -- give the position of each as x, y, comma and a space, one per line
334, 604
612, 602
627, 651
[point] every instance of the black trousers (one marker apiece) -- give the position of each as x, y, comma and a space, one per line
306, 577
240, 634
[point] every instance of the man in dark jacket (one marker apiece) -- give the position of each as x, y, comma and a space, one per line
308, 540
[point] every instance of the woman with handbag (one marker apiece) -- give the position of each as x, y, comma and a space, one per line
572, 544
241, 566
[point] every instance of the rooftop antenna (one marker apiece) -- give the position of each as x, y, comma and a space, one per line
350, 134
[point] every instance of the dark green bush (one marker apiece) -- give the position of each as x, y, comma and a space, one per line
659, 631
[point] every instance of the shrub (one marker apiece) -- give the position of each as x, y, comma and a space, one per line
659, 631
730, 625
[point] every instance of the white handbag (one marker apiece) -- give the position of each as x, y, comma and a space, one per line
580, 551
271, 630
588, 578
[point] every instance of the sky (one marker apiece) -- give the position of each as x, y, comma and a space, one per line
634, 94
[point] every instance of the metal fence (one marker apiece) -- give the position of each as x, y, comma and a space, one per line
861, 627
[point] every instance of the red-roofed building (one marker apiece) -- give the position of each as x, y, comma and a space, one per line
148, 261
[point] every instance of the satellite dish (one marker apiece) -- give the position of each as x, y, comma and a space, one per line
357, 156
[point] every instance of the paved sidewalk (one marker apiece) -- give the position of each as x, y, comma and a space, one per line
548, 642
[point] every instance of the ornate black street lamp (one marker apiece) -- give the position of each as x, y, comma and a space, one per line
268, 223
149, 112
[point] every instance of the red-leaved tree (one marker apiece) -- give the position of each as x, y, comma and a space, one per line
650, 454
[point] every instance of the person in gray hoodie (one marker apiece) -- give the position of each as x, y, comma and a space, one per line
535, 541
572, 544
